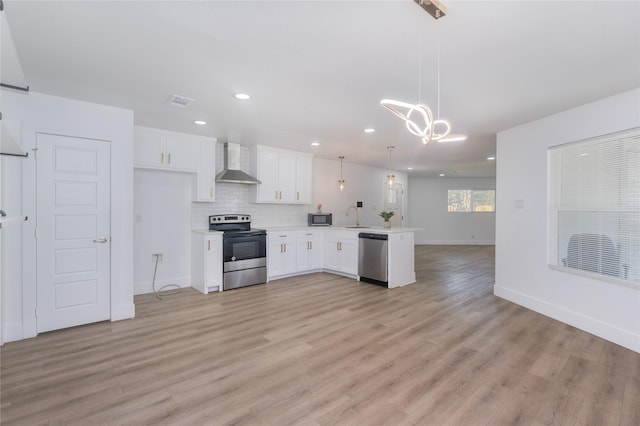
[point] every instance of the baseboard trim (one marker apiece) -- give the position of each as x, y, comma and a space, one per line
590, 325
147, 286
123, 312
455, 242
12, 333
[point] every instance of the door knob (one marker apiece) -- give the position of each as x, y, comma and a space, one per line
101, 240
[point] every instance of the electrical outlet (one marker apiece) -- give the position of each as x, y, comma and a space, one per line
156, 255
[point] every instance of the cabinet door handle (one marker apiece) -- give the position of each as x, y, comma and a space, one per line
310, 245
276, 194
297, 196
209, 245
169, 158
162, 158
210, 192
281, 248
285, 247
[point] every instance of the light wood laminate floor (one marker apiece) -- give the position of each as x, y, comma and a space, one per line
322, 349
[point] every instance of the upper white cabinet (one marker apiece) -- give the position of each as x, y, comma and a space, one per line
159, 149
204, 190
165, 150
285, 176
304, 164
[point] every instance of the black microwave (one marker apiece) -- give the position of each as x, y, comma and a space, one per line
319, 219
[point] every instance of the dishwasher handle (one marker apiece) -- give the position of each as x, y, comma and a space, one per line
372, 236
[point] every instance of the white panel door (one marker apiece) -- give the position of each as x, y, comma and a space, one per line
73, 232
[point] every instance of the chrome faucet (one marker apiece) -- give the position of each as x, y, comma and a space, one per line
357, 214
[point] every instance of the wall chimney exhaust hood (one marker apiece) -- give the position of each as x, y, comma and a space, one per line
231, 172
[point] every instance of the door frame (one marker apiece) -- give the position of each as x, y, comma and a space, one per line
29, 197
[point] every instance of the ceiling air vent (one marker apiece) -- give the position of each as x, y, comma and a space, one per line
180, 101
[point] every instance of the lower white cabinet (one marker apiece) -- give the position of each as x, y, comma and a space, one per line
309, 251
341, 252
281, 253
206, 261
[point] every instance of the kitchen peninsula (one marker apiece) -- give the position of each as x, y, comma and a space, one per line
301, 250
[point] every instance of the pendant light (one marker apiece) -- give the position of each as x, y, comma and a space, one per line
341, 180
390, 176
418, 117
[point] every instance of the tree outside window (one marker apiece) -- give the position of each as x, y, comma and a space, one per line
472, 200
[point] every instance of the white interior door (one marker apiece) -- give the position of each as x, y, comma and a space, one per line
393, 202
73, 232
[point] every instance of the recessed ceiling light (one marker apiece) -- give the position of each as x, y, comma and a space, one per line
441, 174
584, 154
369, 130
200, 122
409, 168
491, 158
315, 143
242, 96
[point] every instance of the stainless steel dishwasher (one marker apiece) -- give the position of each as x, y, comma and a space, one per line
372, 258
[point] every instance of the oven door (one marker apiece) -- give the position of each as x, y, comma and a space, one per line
239, 247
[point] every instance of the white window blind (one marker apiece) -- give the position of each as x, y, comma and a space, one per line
595, 205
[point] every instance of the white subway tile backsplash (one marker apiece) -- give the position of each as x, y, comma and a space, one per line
234, 198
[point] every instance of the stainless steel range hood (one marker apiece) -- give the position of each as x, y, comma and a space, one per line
231, 172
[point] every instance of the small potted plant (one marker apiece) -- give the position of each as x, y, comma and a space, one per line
386, 216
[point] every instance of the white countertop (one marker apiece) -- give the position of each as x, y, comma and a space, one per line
375, 229
206, 231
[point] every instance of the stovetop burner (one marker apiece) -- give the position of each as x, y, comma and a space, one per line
233, 224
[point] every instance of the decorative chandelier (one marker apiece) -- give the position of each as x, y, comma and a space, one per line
418, 117
425, 128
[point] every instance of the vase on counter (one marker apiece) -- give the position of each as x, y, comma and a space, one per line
387, 224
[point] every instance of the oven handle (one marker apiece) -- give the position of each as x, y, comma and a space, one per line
245, 234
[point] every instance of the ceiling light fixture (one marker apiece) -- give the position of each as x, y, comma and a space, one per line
422, 124
390, 176
453, 138
369, 130
433, 8
409, 168
341, 180
315, 143
242, 96
200, 122
441, 174
491, 158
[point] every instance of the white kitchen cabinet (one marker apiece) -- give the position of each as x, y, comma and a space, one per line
172, 151
160, 149
341, 252
304, 165
309, 251
206, 261
281, 254
282, 181
204, 190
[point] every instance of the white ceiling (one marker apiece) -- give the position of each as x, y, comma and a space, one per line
316, 70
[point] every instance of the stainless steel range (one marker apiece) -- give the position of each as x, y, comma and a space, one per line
244, 250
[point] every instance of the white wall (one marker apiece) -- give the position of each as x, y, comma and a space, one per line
162, 224
604, 308
25, 114
428, 210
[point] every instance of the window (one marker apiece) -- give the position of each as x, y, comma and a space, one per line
472, 200
594, 205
